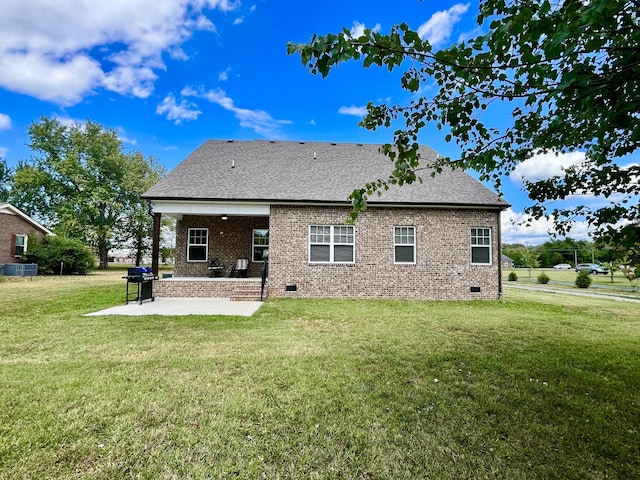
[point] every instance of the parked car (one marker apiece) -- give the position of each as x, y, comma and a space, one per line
562, 266
591, 268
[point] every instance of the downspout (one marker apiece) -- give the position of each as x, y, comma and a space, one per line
499, 254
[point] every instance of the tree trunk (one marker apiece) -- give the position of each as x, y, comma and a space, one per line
103, 255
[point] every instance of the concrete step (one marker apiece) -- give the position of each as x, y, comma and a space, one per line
246, 292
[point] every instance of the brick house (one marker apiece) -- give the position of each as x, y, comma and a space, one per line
238, 201
15, 229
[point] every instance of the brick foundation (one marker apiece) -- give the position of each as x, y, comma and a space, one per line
205, 287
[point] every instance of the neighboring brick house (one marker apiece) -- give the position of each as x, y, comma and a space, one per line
15, 229
435, 239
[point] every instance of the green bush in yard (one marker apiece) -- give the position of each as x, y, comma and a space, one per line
513, 277
543, 278
62, 255
583, 280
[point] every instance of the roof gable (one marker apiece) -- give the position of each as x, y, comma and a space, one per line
7, 208
290, 172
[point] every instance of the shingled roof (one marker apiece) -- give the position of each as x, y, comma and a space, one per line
308, 172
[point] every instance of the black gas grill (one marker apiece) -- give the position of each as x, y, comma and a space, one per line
140, 284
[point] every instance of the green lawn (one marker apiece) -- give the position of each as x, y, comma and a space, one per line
618, 284
532, 387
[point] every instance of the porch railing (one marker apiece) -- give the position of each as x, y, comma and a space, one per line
265, 272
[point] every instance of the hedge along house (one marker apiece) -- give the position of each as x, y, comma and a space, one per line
237, 201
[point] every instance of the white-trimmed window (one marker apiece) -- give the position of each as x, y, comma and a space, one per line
197, 244
260, 245
404, 244
480, 246
20, 247
331, 244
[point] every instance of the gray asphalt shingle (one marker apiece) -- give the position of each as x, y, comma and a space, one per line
287, 171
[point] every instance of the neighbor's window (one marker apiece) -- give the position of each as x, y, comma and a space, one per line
331, 244
21, 245
404, 243
480, 246
197, 245
260, 245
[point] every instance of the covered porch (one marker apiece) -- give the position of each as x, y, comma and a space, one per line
221, 249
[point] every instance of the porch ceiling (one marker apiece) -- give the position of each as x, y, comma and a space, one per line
177, 209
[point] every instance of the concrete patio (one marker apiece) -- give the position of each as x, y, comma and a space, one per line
176, 306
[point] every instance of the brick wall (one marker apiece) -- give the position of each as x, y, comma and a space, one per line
443, 267
228, 239
13, 225
195, 287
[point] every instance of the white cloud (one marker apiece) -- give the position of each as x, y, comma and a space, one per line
353, 110
437, 30
546, 165
178, 112
257, 120
63, 81
5, 122
224, 76
3, 152
64, 51
517, 227
125, 138
358, 29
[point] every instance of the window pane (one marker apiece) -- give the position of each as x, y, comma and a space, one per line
198, 236
343, 234
197, 252
480, 255
404, 255
20, 245
261, 237
343, 253
320, 234
404, 235
260, 254
319, 253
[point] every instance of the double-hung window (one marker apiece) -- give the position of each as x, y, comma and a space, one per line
331, 244
197, 245
260, 245
404, 244
20, 247
480, 246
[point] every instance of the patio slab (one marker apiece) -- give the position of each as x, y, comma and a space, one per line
183, 306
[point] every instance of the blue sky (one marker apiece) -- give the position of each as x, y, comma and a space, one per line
169, 74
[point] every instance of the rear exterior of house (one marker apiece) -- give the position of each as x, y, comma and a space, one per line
238, 203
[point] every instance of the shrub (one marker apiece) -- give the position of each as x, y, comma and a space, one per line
513, 277
583, 280
55, 252
543, 278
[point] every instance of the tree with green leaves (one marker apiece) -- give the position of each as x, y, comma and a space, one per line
566, 74
5, 180
529, 259
82, 185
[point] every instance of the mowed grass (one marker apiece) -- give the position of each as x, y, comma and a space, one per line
534, 386
566, 279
